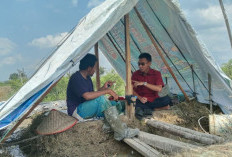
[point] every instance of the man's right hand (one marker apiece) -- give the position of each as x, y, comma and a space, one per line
112, 93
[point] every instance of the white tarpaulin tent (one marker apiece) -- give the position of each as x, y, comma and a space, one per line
105, 25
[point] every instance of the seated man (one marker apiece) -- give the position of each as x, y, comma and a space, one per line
147, 83
84, 102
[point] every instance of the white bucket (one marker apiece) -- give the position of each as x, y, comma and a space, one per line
220, 124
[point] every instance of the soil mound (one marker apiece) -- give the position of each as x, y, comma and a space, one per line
88, 139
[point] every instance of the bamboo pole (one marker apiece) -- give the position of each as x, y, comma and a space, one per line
98, 83
210, 93
163, 143
25, 116
185, 132
194, 86
226, 21
160, 53
129, 91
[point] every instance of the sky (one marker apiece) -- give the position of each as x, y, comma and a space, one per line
31, 29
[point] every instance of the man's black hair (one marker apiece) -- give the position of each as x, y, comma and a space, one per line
88, 61
145, 55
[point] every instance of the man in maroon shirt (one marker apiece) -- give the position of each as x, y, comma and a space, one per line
147, 83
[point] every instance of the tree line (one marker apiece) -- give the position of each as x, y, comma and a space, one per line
18, 79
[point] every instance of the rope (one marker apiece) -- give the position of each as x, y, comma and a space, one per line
200, 124
136, 44
168, 57
119, 48
176, 45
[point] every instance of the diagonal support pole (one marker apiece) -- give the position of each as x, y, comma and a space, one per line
25, 116
160, 53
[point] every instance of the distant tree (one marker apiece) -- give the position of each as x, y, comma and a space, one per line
20, 75
16, 81
102, 70
227, 68
14, 76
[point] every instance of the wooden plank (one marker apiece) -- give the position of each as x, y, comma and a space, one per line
164, 143
129, 90
160, 53
25, 116
142, 147
185, 132
98, 83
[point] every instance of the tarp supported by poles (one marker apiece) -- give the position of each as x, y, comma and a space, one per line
104, 25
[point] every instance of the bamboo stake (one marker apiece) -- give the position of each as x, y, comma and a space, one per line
129, 91
160, 53
98, 83
210, 91
25, 116
194, 87
226, 21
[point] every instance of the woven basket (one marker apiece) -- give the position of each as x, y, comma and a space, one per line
55, 122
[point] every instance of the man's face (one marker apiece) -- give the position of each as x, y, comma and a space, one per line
92, 70
144, 65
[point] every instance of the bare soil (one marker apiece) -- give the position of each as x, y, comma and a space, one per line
88, 139
4, 92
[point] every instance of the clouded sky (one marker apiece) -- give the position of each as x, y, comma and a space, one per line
31, 29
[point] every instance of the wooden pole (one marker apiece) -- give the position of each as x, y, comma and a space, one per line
160, 53
25, 116
185, 132
98, 83
163, 143
129, 91
210, 93
194, 87
226, 21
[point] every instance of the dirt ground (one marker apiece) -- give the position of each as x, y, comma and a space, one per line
4, 91
88, 139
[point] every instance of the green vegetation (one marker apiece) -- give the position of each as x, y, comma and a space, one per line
10, 87
118, 87
15, 82
227, 68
